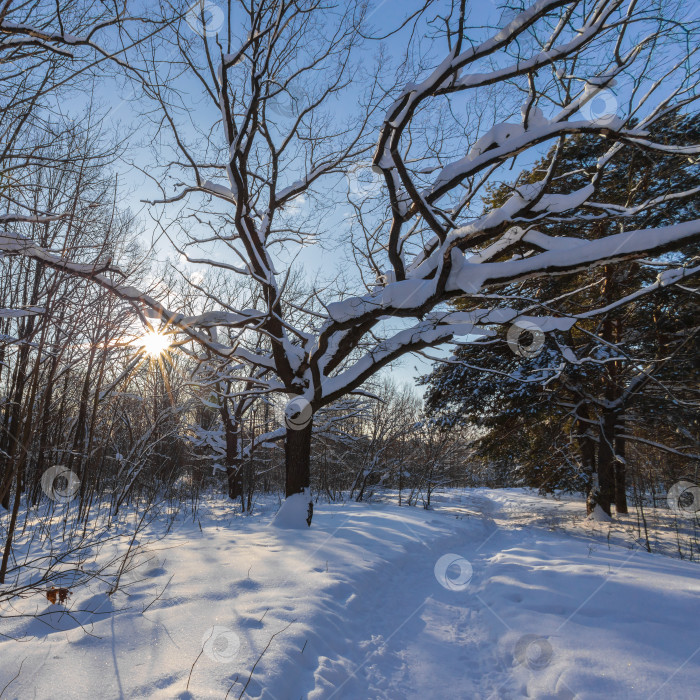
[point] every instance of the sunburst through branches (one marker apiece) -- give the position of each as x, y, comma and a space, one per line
154, 344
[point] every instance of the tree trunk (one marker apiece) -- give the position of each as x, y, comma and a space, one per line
606, 464
78, 453
235, 481
10, 435
620, 473
610, 469
234, 468
22, 455
13, 420
586, 446
46, 418
297, 455
11, 528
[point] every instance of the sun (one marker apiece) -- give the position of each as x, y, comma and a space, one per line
154, 344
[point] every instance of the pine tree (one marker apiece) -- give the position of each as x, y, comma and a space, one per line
562, 419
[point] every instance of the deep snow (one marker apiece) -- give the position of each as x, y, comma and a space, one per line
365, 604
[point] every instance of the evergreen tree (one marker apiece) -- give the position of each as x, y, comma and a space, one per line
562, 418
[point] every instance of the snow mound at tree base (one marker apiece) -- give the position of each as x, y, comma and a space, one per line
599, 515
294, 512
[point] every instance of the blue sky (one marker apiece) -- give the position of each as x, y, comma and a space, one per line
121, 103
124, 111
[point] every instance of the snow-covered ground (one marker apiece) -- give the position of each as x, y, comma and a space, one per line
488, 595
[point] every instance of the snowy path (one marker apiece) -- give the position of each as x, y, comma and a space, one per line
361, 613
409, 629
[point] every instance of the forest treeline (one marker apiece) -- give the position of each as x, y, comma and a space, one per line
80, 390
182, 347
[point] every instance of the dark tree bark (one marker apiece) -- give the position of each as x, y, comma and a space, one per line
76, 457
587, 449
235, 482
620, 472
606, 463
11, 433
44, 432
297, 453
234, 468
586, 443
22, 454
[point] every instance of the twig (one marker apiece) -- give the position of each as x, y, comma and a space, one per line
235, 680
159, 595
12, 680
261, 655
187, 687
128, 554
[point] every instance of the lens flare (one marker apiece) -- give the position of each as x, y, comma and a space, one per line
154, 344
